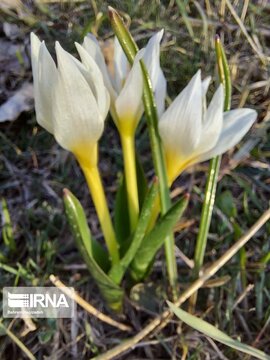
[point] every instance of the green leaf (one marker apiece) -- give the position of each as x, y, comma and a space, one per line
224, 73
7, 232
155, 239
123, 35
225, 202
214, 333
112, 293
118, 270
89, 243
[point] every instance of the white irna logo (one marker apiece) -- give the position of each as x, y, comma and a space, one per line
35, 300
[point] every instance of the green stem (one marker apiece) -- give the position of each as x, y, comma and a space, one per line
206, 216
160, 168
128, 146
211, 184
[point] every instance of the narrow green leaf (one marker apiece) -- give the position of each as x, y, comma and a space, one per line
122, 33
117, 272
112, 293
7, 232
214, 333
224, 73
88, 242
226, 203
155, 239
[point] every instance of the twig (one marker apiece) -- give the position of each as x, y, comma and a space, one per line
18, 342
215, 347
244, 31
249, 288
163, 319
258, 337
244, 325
214, 23
88, 307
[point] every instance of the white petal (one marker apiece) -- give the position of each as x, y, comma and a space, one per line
94, 76
121, 66
181, 124
160, 92
44, 74
35, 47
151, 56
77, 120
91, 45
212, 125
152, 61
236, 124
205, 85
129, 102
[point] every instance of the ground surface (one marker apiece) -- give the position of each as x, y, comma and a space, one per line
34, 170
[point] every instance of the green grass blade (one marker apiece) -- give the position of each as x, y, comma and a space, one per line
182, 8
214, 333
7, 232
155, 239
112, 293
117, 272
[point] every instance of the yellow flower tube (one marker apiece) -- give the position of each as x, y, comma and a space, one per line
92, 175
128, 146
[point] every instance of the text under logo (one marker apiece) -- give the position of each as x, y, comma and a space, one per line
39, 302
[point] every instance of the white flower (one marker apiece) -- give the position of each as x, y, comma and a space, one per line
125, 85
71, 100
192, 133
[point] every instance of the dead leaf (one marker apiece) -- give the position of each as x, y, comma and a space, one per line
12, 31
11, 4
21, 101
23, 11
